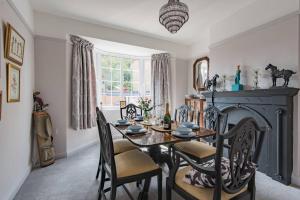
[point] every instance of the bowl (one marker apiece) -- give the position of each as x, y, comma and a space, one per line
139, 117
183, 130
135, 128
122, 121
188, 124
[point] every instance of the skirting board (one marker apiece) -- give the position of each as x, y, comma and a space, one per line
82, 147
17, 188
296, 180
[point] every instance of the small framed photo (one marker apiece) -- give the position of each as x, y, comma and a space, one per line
13, 83
0, 104
14, 45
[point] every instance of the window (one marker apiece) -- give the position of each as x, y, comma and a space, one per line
121, 77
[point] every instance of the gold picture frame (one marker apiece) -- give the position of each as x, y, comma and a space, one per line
0, 105
13, 83
14, 45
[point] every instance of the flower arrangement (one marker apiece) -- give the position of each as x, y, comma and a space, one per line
144, 104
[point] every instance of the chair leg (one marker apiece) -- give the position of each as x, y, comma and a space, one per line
144, 194
113, 192
102, 181
252, 188
98, 170
138, 183
159, 185
168, 190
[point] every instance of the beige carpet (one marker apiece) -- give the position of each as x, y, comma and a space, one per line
74, 179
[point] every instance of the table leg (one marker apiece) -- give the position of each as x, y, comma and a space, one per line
160, 157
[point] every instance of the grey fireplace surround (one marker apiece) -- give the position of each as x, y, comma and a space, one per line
273, 110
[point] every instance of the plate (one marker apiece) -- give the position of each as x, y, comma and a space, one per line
195, 127
190, 135
135, 128
187, 124
183, 130
118, 124
141, 131
190, 125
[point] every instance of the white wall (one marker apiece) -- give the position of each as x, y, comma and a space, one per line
15, 126
51, 79
25, 11
179, 80
276, 42
254, 15
60, 27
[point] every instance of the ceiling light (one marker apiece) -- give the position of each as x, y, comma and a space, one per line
173, 15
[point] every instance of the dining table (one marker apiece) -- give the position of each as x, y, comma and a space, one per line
155, 137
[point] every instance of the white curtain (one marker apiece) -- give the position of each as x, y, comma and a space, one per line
161, 77
83, 84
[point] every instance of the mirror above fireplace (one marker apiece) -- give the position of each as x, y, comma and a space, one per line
200, 73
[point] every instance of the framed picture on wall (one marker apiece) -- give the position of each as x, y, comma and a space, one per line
1, 51
0, 104
14, 45
13, 83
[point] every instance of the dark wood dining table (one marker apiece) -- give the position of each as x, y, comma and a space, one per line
153, 139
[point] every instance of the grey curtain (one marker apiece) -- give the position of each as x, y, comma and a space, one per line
161, 76
83, 85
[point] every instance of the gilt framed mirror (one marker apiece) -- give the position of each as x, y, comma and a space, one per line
200, 73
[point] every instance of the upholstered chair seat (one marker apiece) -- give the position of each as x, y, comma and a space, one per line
196, 149
134, 162
197, 192
123, 145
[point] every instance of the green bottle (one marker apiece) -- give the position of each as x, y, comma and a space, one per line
167, 118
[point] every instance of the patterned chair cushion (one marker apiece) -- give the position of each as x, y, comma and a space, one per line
203, 180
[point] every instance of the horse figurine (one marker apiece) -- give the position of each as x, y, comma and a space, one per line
213, 82
284, 73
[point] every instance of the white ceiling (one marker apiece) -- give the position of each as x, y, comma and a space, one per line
141, 16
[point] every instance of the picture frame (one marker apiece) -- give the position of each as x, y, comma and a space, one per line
0, 105
13, 83
14, 45
1, 47
200, 73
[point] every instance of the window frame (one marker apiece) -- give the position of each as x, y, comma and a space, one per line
142, 86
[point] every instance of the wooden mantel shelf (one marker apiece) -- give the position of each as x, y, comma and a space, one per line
280, 91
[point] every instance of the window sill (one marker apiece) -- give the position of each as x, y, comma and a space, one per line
111, 108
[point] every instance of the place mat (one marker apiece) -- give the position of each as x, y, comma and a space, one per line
145, 123
161, 129
140, 132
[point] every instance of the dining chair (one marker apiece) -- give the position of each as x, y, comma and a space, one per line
247, 140
184, 113
131, 111
120, 145
126, 167
201, 150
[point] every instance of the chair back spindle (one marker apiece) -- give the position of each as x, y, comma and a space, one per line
243, 152
106, 141
131, 111
215, 119
184, 113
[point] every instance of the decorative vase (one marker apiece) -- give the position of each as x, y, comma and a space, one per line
146, 115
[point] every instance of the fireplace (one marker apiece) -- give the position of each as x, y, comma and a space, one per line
273, 111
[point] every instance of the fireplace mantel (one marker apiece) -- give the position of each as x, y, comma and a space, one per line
272, 109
